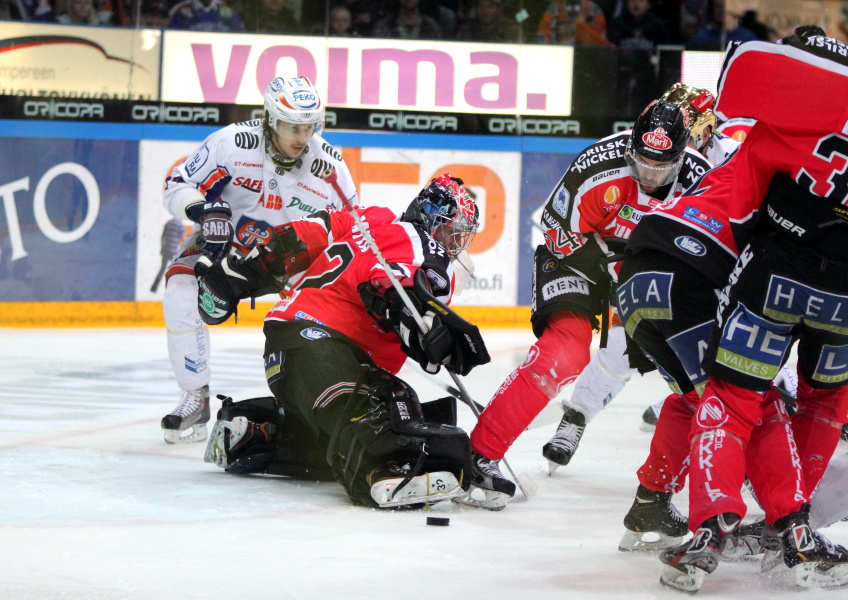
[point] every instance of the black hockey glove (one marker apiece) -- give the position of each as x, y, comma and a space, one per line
221, 284
216, 231
450, 341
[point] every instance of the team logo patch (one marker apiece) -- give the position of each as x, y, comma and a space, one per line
532, 355
561, 203
250, 233
612, 194
313, 333
711, 413
549, 266
690, 245
657, 139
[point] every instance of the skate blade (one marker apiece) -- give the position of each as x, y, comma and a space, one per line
215, 453
195, 433
480, 498
552, 467
771, 559
647, 541
815, 575
688, 581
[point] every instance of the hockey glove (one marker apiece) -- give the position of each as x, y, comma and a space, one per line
223, 283
216, 231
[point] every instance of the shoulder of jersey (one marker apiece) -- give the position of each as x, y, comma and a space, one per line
607, 144
246, 135
323, 149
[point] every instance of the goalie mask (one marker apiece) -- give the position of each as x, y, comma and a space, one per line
657, 144
447, 212
293, 114
698, 103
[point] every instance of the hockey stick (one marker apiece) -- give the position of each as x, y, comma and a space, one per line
330, 176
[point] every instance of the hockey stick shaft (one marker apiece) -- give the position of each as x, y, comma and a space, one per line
331, 177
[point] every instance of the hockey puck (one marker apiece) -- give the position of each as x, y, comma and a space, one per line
438, 521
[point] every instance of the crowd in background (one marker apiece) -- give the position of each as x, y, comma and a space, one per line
631, 24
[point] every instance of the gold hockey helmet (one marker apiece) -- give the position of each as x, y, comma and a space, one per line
698, 104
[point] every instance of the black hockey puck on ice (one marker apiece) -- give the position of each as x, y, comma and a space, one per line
439, 521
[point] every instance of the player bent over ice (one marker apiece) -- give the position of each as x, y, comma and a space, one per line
333, 345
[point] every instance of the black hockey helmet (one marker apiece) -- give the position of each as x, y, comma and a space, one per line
447, 212
660, 134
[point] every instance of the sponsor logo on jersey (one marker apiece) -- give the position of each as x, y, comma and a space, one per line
241, 163
549, 266
560, 203
302, 316
271, 202
318, 167
313, 333
246, 140
250, 233
612, 194
702, 219
657, 139
711, 413
272, 184
312, 190
437, 282
253, 185
690, 245
306, 99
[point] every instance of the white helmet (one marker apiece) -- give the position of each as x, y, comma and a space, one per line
293, 100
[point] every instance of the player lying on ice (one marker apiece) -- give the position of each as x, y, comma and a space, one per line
335, 342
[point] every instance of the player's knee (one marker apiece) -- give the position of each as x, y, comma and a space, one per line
179, 305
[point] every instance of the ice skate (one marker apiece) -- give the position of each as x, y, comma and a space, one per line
652, 523
651, 416
390, 487
186, 424
563, 445
815, 561
489, 488
746, 543
689, 563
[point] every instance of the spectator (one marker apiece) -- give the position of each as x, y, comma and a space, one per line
29, 10
205, 15
489, 25
579, 22
341, 22
154, 13
750, 29
711, 35
269, 16
79, 12
407, 22
638, 27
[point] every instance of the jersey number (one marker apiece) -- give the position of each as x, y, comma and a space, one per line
828, 148
339, 256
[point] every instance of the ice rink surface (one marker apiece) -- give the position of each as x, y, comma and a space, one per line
95, 506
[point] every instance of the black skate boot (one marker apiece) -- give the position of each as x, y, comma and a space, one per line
746, 543
653, 522
815, 560
563, 445
489, 488
689, 563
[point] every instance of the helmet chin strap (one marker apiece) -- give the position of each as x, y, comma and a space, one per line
278, 157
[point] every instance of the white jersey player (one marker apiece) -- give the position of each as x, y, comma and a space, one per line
240, 182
